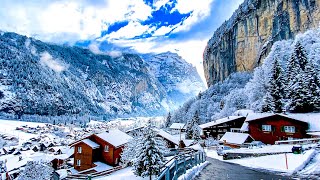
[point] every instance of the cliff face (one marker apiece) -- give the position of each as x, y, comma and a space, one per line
243, 41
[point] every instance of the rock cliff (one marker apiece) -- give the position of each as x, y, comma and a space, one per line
242, 42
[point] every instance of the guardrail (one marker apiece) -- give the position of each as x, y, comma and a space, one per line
180, 164
299, 141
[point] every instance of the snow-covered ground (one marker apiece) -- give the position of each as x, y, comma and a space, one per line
313, 168
193, 172
9, 127
296, 162
123, 174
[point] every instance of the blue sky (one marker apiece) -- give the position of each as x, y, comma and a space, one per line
144, 26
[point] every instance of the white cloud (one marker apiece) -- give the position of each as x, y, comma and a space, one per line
54, 64
94, 47
115, 54
162, 31
79, 19
131, 30
200, 10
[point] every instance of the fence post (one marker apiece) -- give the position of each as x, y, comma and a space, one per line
167, 173
184, 165
175, 169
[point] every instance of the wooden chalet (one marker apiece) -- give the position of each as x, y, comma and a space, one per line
105, 147
177, 127
268, 127
218, 128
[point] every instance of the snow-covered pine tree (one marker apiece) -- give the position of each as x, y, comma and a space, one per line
149, 154
130, 150
190, 126
196, 131
297, 62
35, 171
313, 83
168, 121
275, 92
303, 89
300, 96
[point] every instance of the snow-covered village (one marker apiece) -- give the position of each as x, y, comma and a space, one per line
159, 89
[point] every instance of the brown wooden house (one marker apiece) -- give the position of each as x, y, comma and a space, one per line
268, 128
104, 147
218, 128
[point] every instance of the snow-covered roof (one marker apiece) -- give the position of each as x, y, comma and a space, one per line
167, 136
235, 138
63, 173
314, 133
313, 119
243, 112
90, 143
220, 121
245, 127
115, 137
177, 126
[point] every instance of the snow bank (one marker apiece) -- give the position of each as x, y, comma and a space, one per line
296, 162
192, 173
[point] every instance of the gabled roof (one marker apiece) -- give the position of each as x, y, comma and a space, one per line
177, 126
90, 143
115, 137
235, 138
167, 136
220, 121
257, 116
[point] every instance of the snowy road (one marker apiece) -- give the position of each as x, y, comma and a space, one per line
219, 170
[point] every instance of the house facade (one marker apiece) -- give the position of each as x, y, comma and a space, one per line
269, 128
104, 147
218, 128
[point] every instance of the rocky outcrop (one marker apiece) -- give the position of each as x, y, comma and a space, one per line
243, 41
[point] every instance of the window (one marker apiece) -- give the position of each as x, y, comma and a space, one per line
289, 129
79, 149
78, 162
106, 148
266, 128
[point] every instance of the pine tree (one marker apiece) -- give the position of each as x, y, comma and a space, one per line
303, 89
190, 134
196, 131
296, 64
149, 154
275, 92
35, 171
168, 121
312, 81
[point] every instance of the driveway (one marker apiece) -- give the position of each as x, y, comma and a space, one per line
218, 170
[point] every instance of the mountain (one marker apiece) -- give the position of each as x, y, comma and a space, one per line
42, 79
179, 78
243, 41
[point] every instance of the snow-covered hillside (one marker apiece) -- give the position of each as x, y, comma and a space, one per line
38, 78
179, 78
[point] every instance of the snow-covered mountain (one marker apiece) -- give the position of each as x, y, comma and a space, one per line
179, 78
38, 78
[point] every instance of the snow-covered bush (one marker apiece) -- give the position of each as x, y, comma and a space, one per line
35, 170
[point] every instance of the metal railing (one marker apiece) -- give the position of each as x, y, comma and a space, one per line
299, 141
180, 164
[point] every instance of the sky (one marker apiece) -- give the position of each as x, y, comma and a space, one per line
143, 26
